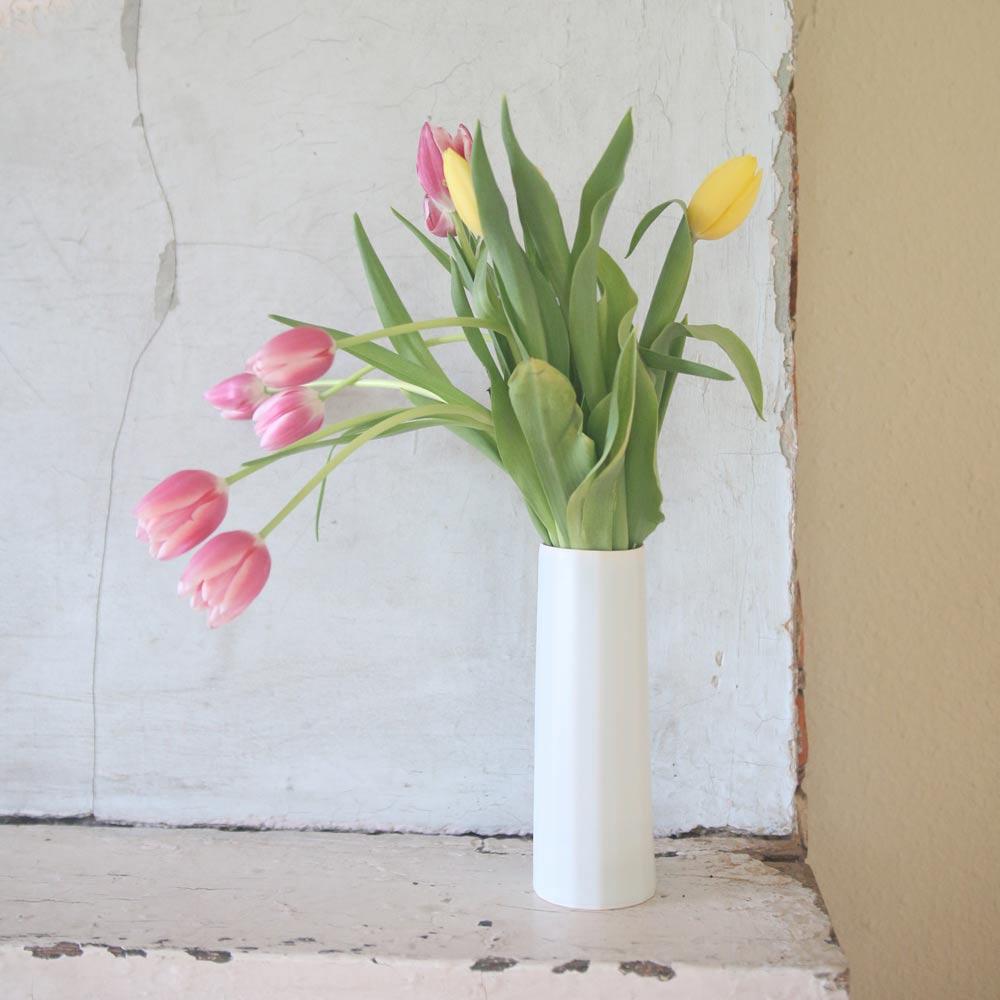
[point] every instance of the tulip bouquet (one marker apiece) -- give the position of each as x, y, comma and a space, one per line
577, 387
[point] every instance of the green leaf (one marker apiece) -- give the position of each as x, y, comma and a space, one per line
429, 245
670, 285
594, 512
411, 346
667, 344
509, 259
669, 363
606, 176
644, 498
544, 402
556, 334
320, 497
597, 422
475, 338
538, 210
584, 333
507, 309
459, 258
486, 305
389, 305
582, 313
740, 355
517, 459
648, 219
619, 300
485, 300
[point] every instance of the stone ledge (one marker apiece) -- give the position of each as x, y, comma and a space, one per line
126, 912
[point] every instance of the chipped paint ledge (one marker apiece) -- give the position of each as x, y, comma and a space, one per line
168, 910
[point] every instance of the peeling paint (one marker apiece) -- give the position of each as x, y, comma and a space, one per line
647, 969
483, 849
207, 955
839, 983
165, 289
492, 963
784, 228
118, 952
575, 965
130, 31
64, 949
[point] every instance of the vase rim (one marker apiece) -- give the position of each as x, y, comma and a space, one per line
591, 552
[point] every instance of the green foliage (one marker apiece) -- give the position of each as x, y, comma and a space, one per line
538, 211
596, 506
577, 389
545, 405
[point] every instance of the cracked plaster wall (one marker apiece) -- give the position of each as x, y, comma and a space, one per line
176, 171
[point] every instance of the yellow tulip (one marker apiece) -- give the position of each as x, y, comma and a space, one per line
724, 199
458, 177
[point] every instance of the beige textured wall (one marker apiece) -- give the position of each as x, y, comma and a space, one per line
898, 346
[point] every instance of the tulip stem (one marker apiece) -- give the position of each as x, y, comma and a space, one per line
464, 242
391, 383
411, 413
404, 328
323, 432
345, 340
335, 385
249, 470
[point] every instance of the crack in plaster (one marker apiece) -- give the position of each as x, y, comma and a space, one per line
164, 299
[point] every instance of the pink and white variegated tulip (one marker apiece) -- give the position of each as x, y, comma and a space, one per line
287, 417
437, 221
238, 396
294, 357
226, 574
438, 205
181, 512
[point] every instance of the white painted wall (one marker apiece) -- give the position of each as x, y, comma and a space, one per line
170, 175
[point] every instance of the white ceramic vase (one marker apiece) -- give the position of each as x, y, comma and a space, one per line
593, 829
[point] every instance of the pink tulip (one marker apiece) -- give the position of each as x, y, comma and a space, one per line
238, 396
294, 357
181, 512
439, 223
226, 574
288, 416
438, 205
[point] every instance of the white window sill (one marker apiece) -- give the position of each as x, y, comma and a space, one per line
108, 913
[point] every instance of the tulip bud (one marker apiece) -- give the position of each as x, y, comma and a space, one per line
226, 574
238, 396
287, 417
181, 512
433, 143
437, 221
294, 357
458, 176
430, 169
724, 198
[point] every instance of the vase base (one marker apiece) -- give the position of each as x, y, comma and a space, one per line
613, 903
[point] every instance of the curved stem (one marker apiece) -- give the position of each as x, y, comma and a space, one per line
329, 387
335, 385
412, 413
391, 383
402, 328
323, 432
